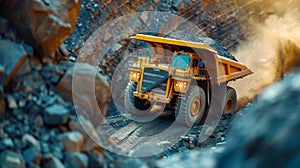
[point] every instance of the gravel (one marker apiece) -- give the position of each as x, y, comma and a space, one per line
56, 115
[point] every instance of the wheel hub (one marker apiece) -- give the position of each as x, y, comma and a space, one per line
195, 107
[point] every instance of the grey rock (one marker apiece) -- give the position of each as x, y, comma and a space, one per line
10, 129
96, 160
12, 103
31, 154
52, 162
57, 151
22, 103
56, 115
55, 79
13, 56
76, 160
45, 147
39, 121
177, 5
6, 143
72, 141
11, 159
29, 140
32, 108
44, 136
48, 99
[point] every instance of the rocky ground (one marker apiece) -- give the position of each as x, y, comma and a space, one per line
39, 126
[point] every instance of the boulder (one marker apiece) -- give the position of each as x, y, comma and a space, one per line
11, 159
56, 115
84, 94
13, 56
72, 141
76, 160
269, 133
42, 24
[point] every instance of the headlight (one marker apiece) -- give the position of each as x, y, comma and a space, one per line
134, 76
181, 86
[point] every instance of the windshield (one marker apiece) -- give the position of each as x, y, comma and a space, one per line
181, 61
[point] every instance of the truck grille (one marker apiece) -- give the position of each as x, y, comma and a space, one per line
154, 78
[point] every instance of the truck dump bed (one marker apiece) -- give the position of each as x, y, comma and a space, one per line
229, 70
224, 69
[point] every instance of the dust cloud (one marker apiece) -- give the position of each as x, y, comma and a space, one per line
272, 47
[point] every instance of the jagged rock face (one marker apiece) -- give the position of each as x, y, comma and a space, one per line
268, 134
42, 24
221, 20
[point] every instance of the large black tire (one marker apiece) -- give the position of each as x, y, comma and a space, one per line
230, 100
135, 106
190, 110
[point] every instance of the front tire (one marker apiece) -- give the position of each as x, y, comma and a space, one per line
190, 110
134, 106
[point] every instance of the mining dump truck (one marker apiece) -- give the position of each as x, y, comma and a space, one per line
179, 75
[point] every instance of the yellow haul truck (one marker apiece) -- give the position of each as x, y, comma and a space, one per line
180, 70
